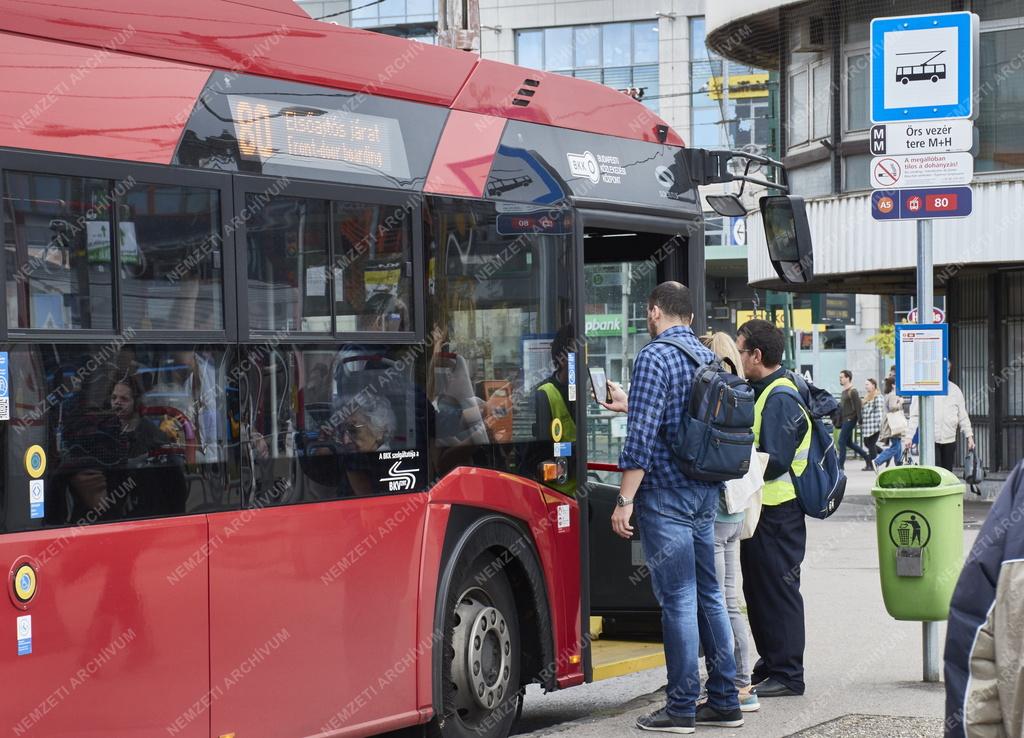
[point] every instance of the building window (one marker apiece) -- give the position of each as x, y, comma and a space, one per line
714, 231
1001, 101
857, 115
855, 172
996, 9
620, 55
821, 82
798, 113
731, 102
412, 19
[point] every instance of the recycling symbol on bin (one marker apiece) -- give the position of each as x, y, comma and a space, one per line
910, 528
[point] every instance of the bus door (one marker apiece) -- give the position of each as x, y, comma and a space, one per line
625, 257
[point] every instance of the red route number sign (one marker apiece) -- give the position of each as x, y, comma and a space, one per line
939, 202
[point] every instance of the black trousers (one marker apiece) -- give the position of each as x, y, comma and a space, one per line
945, 455
771, 562
871, 444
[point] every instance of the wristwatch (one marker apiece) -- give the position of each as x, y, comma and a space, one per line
623, 502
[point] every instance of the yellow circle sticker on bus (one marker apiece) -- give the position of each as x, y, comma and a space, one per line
25, 583
35, 461
556, 430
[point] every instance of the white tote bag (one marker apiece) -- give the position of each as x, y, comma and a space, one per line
758, 463
738, 492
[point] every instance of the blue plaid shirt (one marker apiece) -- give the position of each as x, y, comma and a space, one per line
658, 396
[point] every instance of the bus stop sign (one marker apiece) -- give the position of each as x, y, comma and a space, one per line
924, 67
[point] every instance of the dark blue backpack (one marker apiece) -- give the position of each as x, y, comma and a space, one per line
715, 436
821, 487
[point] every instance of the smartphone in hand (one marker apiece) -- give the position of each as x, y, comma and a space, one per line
599, 384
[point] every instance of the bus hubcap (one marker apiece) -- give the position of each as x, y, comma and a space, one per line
483, 652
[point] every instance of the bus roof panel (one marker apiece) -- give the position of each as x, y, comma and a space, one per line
69, 99
529, 95
274, 38
240, 37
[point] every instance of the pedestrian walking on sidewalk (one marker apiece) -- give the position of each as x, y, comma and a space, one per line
894, 427
951, 418
728, 527
871, 417
676, 516
850, 407
771, 559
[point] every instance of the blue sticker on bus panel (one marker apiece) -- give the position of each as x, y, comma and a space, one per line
5, 382
24, 635
563, 449
572, 368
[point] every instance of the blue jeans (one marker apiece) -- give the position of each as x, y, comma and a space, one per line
677, 531
894, 451
846, 441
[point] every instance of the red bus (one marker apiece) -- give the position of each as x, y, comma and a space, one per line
279, 297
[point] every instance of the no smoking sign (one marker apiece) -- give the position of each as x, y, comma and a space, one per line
886, 173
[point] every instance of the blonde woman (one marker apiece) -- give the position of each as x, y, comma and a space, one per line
727, 548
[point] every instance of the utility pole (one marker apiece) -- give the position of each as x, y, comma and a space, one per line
458, 24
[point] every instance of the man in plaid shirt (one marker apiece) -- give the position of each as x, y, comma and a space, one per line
676, 516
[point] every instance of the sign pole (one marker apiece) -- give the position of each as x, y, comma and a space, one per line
926, 426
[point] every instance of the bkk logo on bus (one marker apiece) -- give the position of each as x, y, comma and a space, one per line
399, 479
584, 165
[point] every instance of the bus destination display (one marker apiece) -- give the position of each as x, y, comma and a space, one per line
279, 133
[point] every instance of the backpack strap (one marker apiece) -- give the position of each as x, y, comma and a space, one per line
795, 394
682, 347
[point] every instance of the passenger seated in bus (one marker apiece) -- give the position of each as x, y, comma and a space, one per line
114, 469
344, 460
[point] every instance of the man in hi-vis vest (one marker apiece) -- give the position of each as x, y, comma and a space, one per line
552, 405
771, 559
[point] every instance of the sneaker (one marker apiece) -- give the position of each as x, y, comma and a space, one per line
708, 715
748, 701
662, 722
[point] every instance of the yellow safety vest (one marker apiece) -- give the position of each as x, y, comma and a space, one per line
560, 411
777, 491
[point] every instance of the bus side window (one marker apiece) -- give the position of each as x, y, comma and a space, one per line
117, 435
58, 252
500, 298
329, 423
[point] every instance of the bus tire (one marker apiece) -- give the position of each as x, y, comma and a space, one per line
480, 656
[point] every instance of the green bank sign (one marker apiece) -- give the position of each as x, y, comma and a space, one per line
606, 325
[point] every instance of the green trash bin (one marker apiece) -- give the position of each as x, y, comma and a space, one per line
920, 520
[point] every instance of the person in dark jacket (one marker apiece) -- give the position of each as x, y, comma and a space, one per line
984, 657
850, 406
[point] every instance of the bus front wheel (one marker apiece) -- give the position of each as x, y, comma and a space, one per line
481, 645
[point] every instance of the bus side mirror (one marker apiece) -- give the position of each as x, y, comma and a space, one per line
789, 237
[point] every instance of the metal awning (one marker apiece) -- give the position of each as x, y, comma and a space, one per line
854, 253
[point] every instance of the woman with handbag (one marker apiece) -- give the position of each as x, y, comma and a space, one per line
893, 427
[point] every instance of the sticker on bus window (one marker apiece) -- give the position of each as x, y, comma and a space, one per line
5, 387
563, 517
563, 449
24, 635
36, 498
572, 376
